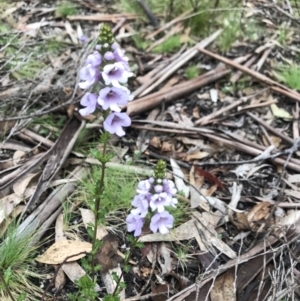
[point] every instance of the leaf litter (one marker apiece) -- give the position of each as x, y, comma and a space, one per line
230, 136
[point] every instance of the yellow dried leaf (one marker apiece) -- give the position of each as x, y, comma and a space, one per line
197, 156
60, 250
280, 113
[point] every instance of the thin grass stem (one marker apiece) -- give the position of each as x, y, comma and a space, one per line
6, 287
97, 207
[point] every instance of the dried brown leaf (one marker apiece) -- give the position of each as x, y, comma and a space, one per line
155, 289
239, 219
164, 258
20, 187
155, 142
197, 156
88, 217
224, 287
258, 215
59, 251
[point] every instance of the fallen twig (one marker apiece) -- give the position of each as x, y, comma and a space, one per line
274, 85
271, 129
175, 65
206, 119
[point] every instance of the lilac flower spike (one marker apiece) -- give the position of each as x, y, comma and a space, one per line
89, 75
154, 196
135, 223
114, 123
162, 222
115, 73
89, 101
112, 97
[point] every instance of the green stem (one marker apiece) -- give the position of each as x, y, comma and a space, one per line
125, 263
97, 207
6, 287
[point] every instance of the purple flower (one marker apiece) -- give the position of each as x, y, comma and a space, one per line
94, 59
158, 188
135, 223
129, 95
109, 56
112, 97
89, 101
119, 54
141, 202
159, 201
89, 75
145, 186
114, 73
162, 222
115, 121
83, 39
169, 187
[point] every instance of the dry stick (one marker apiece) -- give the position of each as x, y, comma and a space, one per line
274, 85
168, 94
171, 93
160, 66
104, 17
252, 148
266, 134
164, 74
259, 105
255, 160
145, 297
286, 13
263, 58
271, 129
147, 127
290, 93
28, 133
118, 25
295, 122
206, 119
236, 76
252, 151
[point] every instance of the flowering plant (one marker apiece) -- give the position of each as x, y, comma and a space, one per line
103, 76
106, 70
154, 195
